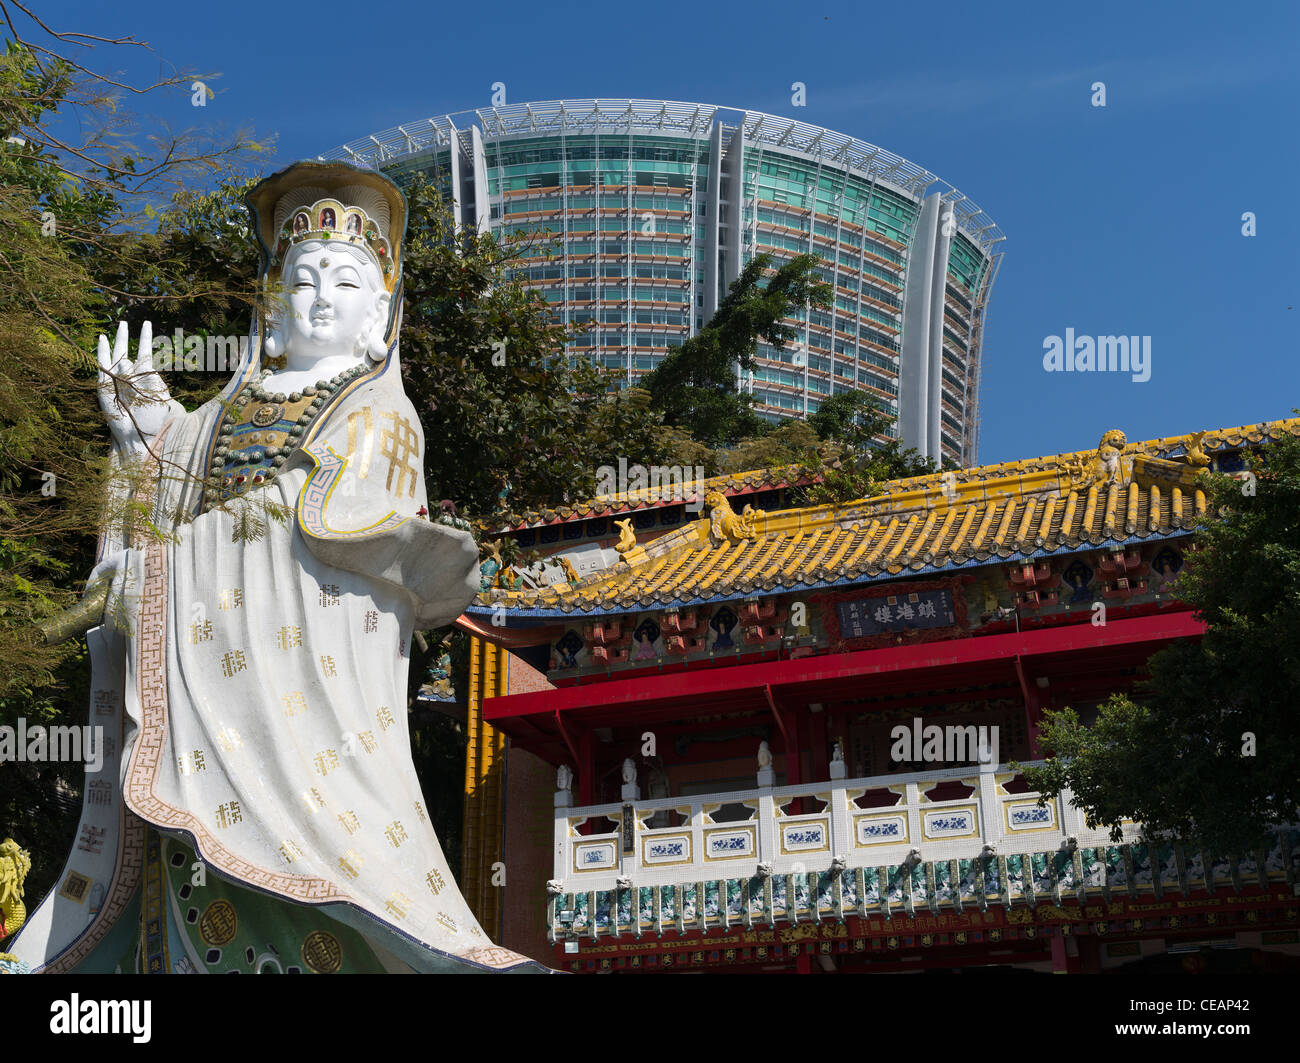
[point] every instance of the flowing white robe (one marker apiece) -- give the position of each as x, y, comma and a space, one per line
266, 679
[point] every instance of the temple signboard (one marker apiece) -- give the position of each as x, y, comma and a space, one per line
868, 616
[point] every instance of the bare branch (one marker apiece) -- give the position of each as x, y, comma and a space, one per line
69, 36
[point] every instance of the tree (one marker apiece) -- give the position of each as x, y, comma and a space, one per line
694, 387
199, 281
77, 201
1208, 749
848, 417
793, 442
511, 422
858, 465
52, 474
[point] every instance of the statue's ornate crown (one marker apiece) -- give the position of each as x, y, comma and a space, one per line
330, 201
330, 219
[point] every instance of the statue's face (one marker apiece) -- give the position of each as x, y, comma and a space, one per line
334, 295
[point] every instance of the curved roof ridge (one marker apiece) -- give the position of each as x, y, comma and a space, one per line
1212, 440
1056, 504
621, 503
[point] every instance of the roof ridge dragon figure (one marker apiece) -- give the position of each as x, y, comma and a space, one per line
725, 523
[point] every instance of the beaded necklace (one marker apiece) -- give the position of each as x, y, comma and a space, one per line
261, 430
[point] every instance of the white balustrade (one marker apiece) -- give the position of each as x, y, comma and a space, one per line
831, 824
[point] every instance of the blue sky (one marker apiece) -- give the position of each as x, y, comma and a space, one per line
1125, 219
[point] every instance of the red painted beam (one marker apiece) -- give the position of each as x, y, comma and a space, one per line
715, 690
568, 741
780, 722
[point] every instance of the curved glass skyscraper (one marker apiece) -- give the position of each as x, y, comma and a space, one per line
646, 210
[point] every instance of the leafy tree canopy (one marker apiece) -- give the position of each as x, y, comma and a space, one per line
858, 465
511, 422
1208, 749
694, 387
77, 216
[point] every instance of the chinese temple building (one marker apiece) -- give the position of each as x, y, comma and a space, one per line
715, 730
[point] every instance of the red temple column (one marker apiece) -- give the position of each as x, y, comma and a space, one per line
821, 756
1033, 708
1065, 955
586, 773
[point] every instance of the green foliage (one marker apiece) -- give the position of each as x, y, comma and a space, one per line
694, 387
791, 443
74, 252
509, 421
1208, 749
848, 417
860, 466
50, 475
200, 278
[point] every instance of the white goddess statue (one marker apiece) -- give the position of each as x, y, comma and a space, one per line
258, 809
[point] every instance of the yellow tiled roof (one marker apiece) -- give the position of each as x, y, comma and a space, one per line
924, 522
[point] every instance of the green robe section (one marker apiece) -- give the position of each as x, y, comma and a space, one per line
185, 919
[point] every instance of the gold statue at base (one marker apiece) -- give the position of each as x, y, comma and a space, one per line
14, 865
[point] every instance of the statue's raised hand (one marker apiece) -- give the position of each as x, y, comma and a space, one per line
132, 395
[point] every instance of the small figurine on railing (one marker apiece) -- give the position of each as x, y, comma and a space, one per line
564, 787
631, 791
838, 768
766, 775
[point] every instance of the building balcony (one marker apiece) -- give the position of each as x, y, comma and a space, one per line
885, 847
880, 304
940, 839
956, 317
